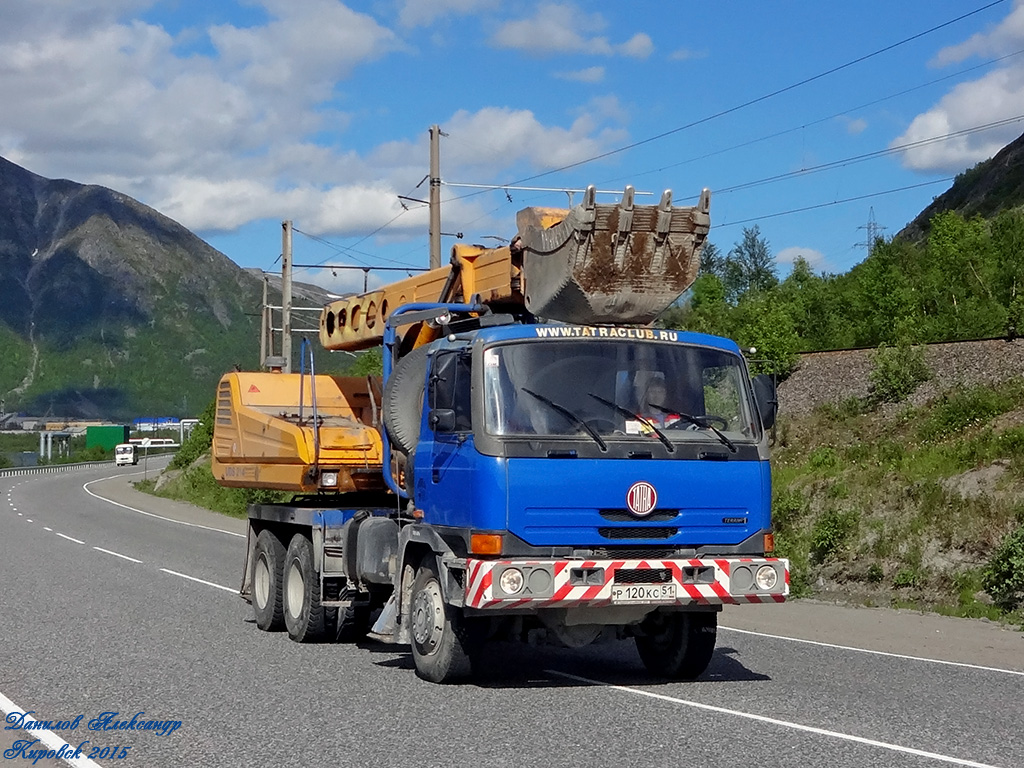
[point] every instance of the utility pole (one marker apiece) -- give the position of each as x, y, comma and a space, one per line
286, 295
264, 323
435, 196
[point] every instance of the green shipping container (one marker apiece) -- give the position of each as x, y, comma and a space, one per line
106, 436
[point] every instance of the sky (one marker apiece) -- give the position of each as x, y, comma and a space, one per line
808, 119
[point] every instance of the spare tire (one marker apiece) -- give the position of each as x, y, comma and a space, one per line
403, 400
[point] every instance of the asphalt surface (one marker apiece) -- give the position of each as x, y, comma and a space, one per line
85, 631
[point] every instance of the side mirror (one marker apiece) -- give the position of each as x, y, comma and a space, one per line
442, 420
766, 399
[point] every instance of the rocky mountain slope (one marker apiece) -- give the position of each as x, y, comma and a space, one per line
986, 189
108, 308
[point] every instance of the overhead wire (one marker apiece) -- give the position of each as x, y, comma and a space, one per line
749, 102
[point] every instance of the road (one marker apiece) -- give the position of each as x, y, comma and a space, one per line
107, 609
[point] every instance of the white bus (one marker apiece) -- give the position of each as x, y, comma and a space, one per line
125, 454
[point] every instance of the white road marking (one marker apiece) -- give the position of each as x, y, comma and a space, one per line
150, 514
27, 520
69, 538
116, 554
201, 581
48, 529
20, 515
783, 723
876, 653
49, 738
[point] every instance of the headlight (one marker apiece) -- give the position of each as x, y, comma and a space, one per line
329, 480
767, 577
511, 581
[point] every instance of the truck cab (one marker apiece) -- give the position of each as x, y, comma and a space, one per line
543, 433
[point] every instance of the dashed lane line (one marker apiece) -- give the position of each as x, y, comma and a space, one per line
783, 723
201, 581
116, 554
876, 653
77, 541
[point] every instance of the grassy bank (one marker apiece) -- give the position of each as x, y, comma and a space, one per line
908, 506
196, 485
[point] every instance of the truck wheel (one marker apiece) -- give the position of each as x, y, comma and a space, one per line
267, 564
440, 644
402, 406
677, 645
303, 614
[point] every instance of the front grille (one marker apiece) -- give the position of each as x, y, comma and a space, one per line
625, 516
643, 576
629, 553
638, 533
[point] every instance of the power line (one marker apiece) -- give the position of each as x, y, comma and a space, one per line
870, 155
833, 202
818, 121
757, 100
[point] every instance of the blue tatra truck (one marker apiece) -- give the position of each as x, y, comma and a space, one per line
513, 476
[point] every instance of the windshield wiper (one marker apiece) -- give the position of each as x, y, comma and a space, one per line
698, 422
569, 415
630, 415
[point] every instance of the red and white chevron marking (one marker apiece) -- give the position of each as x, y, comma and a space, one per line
480, 591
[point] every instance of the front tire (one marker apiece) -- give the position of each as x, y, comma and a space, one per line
677, 645
303, 614
441, 645
267, 567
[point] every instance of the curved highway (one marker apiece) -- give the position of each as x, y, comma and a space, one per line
116, 602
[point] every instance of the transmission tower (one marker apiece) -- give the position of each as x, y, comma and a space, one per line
874, 231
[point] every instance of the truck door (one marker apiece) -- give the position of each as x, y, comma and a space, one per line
444, 491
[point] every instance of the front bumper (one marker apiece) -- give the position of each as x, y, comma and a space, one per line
594, 583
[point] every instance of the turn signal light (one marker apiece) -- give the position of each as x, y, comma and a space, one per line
485, 544
769, 542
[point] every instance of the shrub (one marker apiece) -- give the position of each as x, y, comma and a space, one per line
198, 441
907, 577
963, 407
897, 371
831, 532
1004, 577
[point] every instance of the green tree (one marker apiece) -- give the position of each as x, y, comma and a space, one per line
765, 324
749, 266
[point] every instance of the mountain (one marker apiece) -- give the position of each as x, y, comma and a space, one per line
986, 189
110, 309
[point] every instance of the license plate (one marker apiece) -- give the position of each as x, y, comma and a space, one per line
643, 593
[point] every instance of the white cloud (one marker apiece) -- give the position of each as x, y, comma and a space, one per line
565, 28
998, 95
416, 13
788, 257
856, 125
224, 137
588, 75
1003, 38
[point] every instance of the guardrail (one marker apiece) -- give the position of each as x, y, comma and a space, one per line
49, 468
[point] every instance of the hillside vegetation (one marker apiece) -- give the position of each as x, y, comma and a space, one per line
908, 506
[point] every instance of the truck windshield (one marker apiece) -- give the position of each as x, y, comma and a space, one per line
618, 390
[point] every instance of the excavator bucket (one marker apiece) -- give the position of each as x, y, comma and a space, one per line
611, 263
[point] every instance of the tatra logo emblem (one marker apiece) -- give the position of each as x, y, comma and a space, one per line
641, 498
